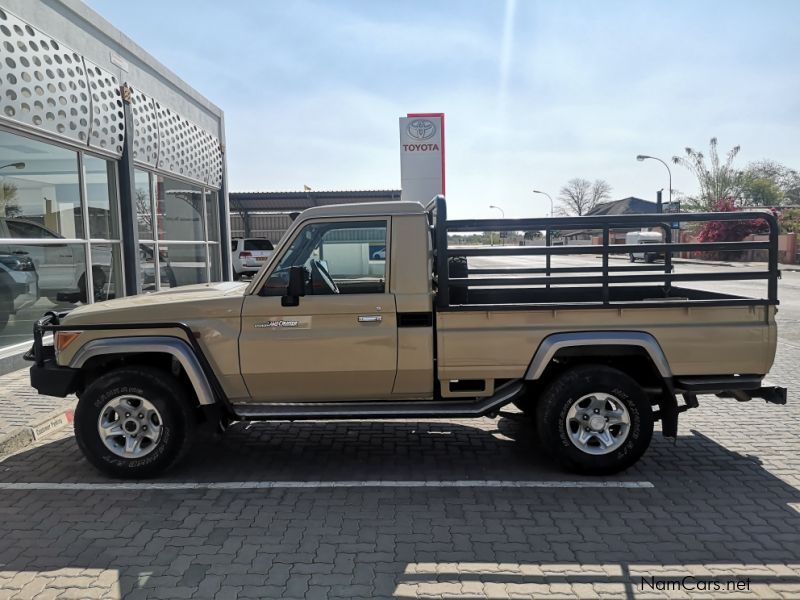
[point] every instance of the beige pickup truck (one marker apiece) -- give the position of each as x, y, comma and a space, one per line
366, 311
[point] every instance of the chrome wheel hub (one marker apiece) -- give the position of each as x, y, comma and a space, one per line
598, 423
130, 426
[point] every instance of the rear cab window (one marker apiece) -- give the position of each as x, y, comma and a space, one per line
258, 245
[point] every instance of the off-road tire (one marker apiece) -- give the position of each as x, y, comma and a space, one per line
555, 402
160, 388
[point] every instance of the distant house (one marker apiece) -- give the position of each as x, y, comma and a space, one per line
626, 206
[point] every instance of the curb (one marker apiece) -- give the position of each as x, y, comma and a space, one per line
22, 437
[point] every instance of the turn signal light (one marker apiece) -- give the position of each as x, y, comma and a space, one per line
62, 339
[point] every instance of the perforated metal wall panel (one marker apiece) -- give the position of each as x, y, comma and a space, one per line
145, 129
186, 149
108, 120
42, 83
49, 88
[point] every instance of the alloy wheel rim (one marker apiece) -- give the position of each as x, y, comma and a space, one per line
598, 423
130, 426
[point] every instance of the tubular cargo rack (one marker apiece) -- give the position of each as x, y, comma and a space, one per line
462, 287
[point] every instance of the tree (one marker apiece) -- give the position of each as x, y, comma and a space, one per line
717, 180
580, 196
769, 183
8, 205
760, 191
728, 231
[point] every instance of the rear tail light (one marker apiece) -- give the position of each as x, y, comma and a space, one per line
245, 255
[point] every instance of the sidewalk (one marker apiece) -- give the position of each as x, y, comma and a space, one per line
26, 416
717, 263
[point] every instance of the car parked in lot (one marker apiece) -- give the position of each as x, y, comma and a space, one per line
248, 255
19, 285
593, 355
60, 267
644, 237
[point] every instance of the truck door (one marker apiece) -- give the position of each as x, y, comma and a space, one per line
340, 342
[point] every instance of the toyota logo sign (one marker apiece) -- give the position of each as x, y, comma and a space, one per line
421, 129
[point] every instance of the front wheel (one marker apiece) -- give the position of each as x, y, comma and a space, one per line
134, 422
595, 420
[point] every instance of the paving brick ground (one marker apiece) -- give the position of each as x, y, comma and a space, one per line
21, 406
724, 508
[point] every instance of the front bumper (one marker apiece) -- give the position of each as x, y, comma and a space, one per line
52, 380
47, 377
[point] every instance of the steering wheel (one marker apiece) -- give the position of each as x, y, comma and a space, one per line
320, 273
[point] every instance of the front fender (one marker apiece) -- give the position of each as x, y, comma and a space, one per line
176, 347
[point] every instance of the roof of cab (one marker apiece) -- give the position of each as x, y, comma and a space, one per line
364, 209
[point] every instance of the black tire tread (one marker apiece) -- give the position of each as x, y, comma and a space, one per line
559, 393
167, 389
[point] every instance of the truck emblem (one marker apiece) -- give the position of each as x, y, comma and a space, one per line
277, 323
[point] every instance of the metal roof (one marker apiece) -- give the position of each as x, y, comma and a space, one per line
299, 201
627, 206
365, 209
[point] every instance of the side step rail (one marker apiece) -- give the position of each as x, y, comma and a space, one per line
381, 409
741, 387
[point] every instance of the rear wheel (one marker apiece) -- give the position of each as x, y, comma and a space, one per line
595, 420
134, 422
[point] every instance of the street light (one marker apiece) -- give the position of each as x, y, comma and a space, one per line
491, 233
502, 213
641, 157
16, 165
548, 195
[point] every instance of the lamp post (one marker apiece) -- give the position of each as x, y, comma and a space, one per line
549, 197
641, 157
16, 165
502, 216
502, 212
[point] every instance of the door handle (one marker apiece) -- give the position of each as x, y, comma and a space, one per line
370, 318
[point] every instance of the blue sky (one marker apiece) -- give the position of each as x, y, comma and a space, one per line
535, 93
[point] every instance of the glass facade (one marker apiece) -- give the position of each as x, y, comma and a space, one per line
176, 234
60, 226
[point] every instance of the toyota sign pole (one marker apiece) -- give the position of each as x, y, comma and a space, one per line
422, 156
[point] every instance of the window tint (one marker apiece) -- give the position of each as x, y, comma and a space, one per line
39, 183
353, 253
101, 195
180, 210
258, 245
144, 204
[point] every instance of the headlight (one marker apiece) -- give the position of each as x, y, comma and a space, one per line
18, 263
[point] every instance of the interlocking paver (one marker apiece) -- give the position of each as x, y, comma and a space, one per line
725, 504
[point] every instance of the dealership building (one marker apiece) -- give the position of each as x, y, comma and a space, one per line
112, 169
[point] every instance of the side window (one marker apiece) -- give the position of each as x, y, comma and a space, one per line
23, 229
351, 254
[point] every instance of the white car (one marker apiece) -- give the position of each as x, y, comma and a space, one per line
249, 254
61, 270
19, 285
644, 237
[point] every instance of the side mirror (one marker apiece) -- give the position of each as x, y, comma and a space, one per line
296, 287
